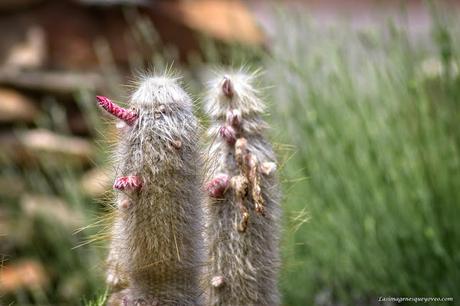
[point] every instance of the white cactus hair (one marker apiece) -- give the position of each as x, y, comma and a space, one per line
149, 90
243, 215
246, 95
155, 255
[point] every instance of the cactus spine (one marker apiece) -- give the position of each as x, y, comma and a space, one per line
154, 256
243, 209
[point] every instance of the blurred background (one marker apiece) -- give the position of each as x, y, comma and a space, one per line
364, 99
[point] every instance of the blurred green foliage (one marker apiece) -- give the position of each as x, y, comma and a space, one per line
374, 116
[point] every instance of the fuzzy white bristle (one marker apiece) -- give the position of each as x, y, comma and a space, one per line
154, 90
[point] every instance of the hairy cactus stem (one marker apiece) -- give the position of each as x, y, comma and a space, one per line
155, 255
243, 267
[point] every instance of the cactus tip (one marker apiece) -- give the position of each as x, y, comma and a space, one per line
227, 87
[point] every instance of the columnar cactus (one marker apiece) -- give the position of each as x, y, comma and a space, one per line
155, 252
243, 208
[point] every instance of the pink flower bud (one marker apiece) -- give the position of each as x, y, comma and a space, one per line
234, 118
129, 183
121, 113
217, 186
228, 133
